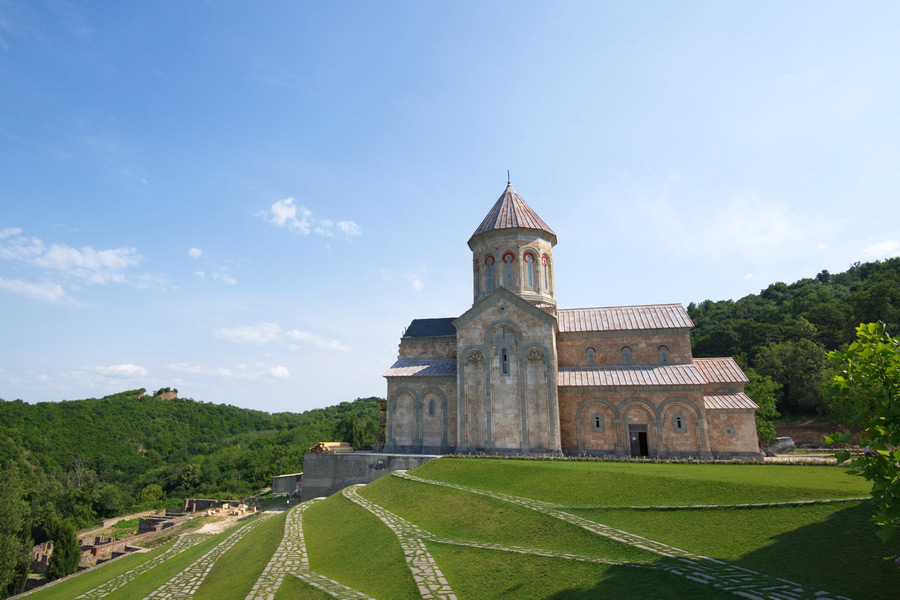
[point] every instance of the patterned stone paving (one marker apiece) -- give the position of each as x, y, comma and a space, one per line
179, 545
425, 571
185, 584
729, 577
291, 559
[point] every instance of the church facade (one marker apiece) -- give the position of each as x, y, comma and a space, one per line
515, 374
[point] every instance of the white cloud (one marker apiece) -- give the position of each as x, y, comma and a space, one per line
195, 252
9, 232
286, 213
240, 372
48, 292
417, 284
199, 274
350, 228
280, 373
224, 278
86, 263
265, 333
885, 249
125, 371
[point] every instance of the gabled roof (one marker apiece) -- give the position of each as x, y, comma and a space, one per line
434, 367
623, 318
431, 327
739, 401
510, 212
721, 370
630, 376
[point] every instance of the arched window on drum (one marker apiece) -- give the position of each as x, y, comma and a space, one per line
489, 272
508, 275
530, 267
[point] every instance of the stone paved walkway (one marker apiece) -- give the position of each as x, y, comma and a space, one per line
179, 545
185, 584
738, 580
428, 576
291, 559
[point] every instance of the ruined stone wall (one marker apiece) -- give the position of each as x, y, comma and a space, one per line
608, 346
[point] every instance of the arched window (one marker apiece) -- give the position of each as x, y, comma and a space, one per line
504, 361
489, 272
508, 259
626, 355
679, 423
597, 422
529, 270
477, 279
431, 407
591, 354
663, 355
545, 263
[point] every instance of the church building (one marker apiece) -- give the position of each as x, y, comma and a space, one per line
515, 374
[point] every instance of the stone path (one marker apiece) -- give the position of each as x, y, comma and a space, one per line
738, 580
428, 576
708, 506
291, 559
185, 584
179, 545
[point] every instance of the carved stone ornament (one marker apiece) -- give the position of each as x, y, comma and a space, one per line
534, 354
474, 356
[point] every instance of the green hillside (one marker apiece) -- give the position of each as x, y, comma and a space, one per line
491, 528
97, 458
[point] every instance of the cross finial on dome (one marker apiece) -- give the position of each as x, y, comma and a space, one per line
507, 177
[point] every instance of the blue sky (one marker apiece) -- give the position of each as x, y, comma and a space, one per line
250, 201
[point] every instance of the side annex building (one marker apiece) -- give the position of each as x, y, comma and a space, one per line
514, 374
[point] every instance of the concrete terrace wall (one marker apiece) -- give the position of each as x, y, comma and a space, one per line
325, 474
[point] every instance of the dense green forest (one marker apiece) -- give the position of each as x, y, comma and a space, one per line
781, 335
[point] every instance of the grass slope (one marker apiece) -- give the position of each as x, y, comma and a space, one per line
630, 484
233, 575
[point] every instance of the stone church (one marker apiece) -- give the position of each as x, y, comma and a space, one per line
515, 374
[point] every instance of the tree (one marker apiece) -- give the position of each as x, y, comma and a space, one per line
15, 541
66, 550
800, 368
763, 390
867, 384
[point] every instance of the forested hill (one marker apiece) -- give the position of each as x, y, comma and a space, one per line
784, 331
88, 459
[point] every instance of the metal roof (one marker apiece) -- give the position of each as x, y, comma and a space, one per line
721, 370
623, 318
737, 401
431, 327
438, 367
630, 376
511, 211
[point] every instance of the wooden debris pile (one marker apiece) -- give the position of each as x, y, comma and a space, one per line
331, 448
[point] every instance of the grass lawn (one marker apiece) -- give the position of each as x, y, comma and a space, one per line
235, 573
351, 545
295, 589
477, 574
465, 516
635, 484
832, 546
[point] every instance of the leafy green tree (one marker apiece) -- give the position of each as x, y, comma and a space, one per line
151, 494
15, 542
799, 367
763, 390
868, 384
66, 550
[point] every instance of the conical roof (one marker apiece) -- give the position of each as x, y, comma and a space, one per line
509, 212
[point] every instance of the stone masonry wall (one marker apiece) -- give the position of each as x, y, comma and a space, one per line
608, 345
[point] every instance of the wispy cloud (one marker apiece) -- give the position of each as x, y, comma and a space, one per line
885, 249
266, 333
195, 252
240, 372
48, 292
85, 263
125, 371
288, 214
